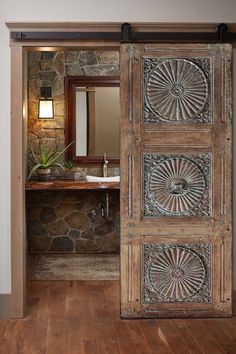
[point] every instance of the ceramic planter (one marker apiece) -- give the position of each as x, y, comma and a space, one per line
44, 174
72, 175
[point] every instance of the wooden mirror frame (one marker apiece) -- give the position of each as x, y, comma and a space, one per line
70, 130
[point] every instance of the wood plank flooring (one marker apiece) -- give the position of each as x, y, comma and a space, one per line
82, 317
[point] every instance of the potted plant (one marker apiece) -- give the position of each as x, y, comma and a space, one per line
46, 160
68, 166
70, 171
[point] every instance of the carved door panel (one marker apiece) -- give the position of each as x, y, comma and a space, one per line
176, 180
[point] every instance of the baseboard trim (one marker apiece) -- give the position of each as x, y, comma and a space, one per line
5, 305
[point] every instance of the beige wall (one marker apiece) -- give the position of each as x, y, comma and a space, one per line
77, 10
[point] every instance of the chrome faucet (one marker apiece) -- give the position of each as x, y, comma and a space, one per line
105, 165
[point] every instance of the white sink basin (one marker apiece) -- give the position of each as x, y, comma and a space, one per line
102, 179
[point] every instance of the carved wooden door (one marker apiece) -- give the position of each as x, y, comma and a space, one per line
176, 180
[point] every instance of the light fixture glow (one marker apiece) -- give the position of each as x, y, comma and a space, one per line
46, 109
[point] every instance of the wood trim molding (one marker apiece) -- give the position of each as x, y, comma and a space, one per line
5, 305
17, 186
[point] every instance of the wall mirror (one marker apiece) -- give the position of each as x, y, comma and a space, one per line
93, 118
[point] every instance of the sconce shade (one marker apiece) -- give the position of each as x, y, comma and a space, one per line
46, 109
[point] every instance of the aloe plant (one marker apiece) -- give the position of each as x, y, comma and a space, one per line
47, 159
69, 165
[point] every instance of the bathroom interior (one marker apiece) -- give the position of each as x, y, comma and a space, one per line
72, 206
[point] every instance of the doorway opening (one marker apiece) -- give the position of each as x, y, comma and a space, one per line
72, 224
147, 146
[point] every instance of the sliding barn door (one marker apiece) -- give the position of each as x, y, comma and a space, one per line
176, 180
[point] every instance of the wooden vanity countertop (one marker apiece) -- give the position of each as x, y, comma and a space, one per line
61, 184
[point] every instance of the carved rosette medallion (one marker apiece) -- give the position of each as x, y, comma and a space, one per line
176, 273
176, 185
176, 90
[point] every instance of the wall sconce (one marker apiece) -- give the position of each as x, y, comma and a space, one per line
46, 109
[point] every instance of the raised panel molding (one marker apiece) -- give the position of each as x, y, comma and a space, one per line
177, 185
222, 271
177, 90
130, 185
177, 273
130, 272
131, 87
226, 89
223, 181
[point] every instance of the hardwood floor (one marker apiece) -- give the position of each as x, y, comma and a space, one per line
82, 317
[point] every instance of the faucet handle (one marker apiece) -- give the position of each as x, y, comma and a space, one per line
105, 157
105, 165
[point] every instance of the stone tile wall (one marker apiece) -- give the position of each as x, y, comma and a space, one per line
72, 222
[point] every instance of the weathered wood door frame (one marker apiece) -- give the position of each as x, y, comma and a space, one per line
18, 246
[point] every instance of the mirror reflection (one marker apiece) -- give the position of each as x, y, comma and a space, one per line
97, 115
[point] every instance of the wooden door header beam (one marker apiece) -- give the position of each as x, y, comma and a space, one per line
128, 35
